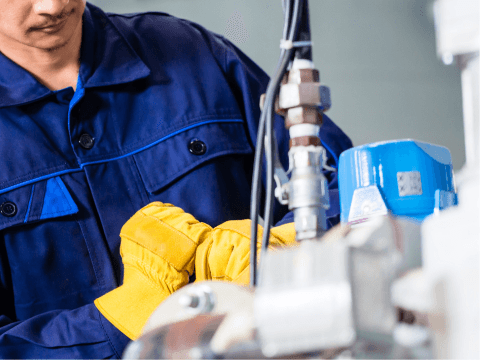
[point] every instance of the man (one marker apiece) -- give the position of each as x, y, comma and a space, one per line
100, 116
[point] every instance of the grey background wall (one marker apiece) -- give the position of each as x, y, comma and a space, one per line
377, 56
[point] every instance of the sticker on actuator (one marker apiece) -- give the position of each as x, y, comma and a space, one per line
409, 183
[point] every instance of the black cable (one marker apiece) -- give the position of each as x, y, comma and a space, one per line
269, 152
287, 10
255, 196
293, 13
304, 52
275, 86
297, 12
267, 117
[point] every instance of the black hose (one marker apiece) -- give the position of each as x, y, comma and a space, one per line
269, 152
287, 9
275, 87
293, 14
304, 52
255, 199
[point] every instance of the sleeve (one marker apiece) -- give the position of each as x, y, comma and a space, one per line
79, 333
249, 82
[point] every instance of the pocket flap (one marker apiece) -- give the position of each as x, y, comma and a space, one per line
179, 153
42, 200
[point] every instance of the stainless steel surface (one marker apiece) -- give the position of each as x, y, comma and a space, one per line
337, 292
373, 267
303, 302
212, 297
201, 320
198, 300
187, 339
310, 223
307, 191
366, 202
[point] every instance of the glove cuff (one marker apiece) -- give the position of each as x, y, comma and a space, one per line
129, 306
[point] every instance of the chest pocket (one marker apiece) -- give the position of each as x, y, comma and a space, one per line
39, 201
49, 265
203, 169
182, 151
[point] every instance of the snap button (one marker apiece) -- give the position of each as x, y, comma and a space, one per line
86, 141
8, 208
197, 147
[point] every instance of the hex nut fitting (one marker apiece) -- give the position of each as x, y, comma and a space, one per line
299, 76
303, 115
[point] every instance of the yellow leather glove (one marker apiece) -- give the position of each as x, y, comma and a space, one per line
225, 253
158, 246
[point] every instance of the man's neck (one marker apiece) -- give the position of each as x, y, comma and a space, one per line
56, 69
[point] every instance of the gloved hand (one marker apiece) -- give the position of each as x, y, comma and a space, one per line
158, 246
225, 253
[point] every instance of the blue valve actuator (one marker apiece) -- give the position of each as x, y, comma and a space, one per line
403, 177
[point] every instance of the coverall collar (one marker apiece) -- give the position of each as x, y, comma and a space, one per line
103, 63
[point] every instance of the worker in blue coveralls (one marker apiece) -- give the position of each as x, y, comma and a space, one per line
106, 118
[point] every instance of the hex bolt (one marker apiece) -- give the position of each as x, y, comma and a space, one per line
189, 301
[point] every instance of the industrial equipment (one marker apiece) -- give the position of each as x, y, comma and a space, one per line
401, 177
398, 279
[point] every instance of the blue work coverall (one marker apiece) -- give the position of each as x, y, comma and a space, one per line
164, 111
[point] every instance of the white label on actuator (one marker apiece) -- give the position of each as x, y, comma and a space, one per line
409, 183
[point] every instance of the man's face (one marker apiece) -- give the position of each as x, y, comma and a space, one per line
42, 24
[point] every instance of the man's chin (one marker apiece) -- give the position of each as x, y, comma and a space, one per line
57, 41
51, 45
56, 47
